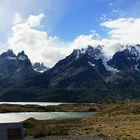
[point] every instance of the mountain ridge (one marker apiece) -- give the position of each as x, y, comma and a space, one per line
83, 76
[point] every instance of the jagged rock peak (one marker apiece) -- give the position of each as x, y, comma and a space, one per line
22, 56
126, 59
76, 53
89, 51
8, 53
94, 52
40, 67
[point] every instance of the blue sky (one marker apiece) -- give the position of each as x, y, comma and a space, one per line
68, 19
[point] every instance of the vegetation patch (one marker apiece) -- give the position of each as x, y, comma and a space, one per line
116, 120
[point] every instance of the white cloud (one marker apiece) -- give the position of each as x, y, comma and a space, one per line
126, 30
104, 17
122, 32
115, 10
38, 45
25, 8
17, 18
84, 40
34, 20
110, 46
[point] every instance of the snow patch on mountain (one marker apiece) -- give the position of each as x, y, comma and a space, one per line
22, 57
40, 67
91, 64
11, 58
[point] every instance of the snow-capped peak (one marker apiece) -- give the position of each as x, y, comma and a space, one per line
88, 51
9, 53
128, 58
91, 64
22, 56
39, 67
76, 53
95, 53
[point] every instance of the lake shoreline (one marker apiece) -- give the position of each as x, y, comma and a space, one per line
22, 116
7, 108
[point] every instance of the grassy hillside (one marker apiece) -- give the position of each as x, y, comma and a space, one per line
117, 120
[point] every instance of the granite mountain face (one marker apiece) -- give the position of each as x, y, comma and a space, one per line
85, 75
128, 58
15, 67
126, 81
39, 67
81, 69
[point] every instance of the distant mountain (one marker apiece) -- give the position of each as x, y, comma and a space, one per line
40, 67
126, 81
80, 77
128, 58
15, 68
81, 69
85, 75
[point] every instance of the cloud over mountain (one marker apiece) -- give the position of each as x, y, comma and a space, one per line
29, 35
124, 29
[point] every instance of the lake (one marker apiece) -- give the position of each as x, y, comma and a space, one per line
33, 103
18, 117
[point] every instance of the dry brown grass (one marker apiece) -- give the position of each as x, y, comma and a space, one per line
5, 108
117, 120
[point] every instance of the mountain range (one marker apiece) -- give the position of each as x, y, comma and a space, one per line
86, 75
39, 67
